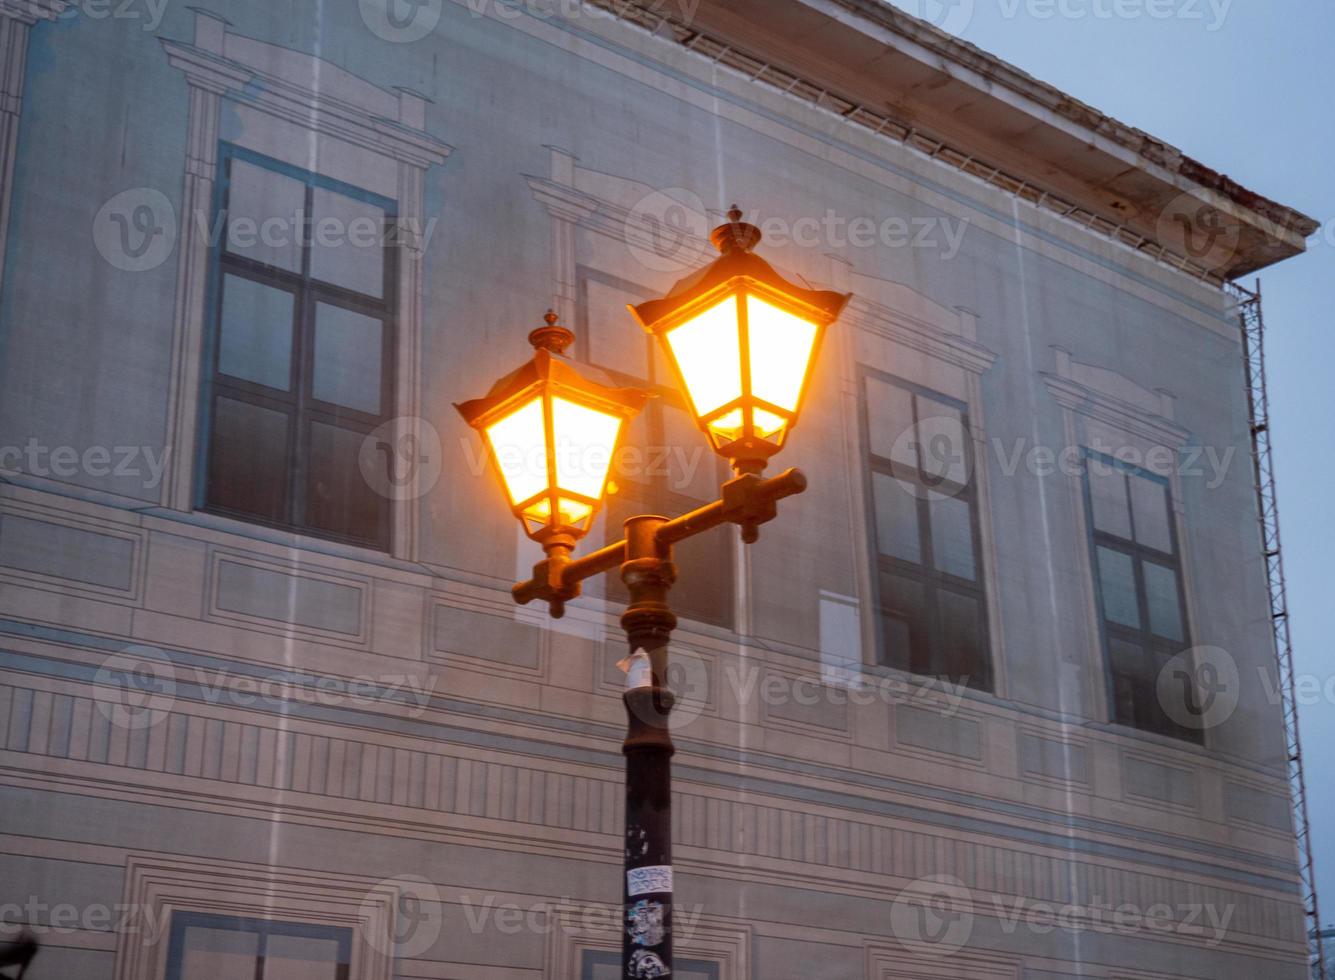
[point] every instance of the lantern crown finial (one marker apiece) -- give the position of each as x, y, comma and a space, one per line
736, 235
552, 337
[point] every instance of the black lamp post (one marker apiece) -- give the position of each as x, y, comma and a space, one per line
742, 341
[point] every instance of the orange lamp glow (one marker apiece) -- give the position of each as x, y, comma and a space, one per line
552, 434
742, 341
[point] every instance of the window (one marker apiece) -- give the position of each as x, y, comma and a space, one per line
216, 947
925, 517
302, 353
603, 965
666, 466
1138, 586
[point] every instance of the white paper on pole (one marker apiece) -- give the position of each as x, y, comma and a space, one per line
638, 671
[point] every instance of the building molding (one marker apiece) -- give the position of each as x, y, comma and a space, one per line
158, 885
17, 18
318, 96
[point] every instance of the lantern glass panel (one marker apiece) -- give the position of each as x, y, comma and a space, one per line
519, 443
584, 439
780, 347
709, 355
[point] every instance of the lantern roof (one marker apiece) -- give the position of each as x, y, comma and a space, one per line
735, 241
549, 365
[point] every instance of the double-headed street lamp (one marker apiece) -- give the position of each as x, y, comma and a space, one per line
742, 341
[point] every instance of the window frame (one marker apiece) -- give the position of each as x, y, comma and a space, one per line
591, 958
646, 491
1149, 642
298, 403
932, 579
264, 928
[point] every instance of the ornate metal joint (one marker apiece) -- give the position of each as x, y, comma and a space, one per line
749, 501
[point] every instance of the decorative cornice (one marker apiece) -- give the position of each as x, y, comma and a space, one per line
31, 11
1076, 397
310, 107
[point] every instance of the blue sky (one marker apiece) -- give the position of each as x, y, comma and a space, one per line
1240, 85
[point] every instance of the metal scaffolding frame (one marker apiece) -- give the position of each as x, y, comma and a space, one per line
1258, 402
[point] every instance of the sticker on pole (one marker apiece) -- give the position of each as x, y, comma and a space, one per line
652, 880
639, 673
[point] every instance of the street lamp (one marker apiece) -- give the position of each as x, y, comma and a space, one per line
742, 341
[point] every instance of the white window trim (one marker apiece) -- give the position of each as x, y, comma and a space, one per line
277, 81
158, 885
575, 931
1144, 417
882, 317
17, 18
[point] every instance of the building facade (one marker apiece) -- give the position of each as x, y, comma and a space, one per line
994, 699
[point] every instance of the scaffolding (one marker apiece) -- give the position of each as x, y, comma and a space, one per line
1253, 341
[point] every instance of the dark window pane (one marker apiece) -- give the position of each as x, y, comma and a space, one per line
904, 620
704, 562
255, 335
952, 535
301, 958
1149, 502
219, 954
348, 243
1118, 581
961, 656
1107, 494
942, 443
896, 518
889, 415
338, 499
265, 212
347, 358
248, 455
1162, 596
